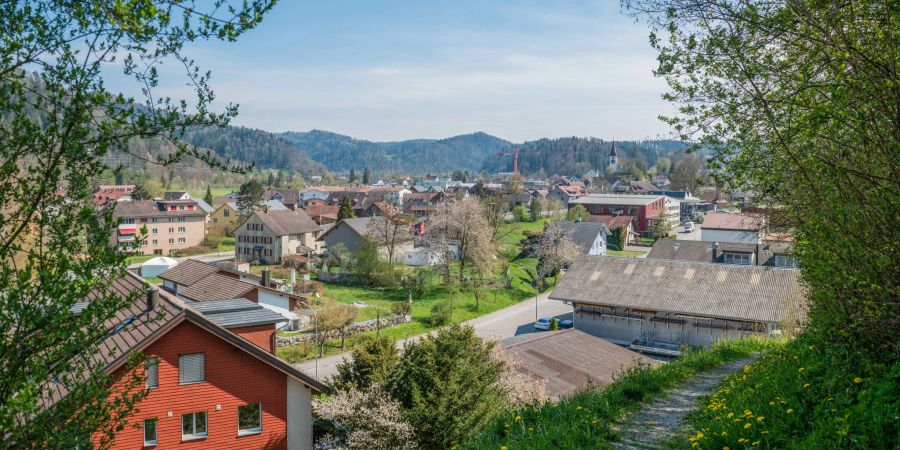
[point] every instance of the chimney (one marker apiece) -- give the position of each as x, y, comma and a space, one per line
675, 246
152, 298
756, 255
715, 249
266, 278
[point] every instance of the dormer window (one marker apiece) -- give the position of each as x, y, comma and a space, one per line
739, 258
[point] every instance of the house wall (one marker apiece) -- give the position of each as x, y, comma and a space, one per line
261, 335
279, 303
738, 237
612, 324
299, 414
247, 250
642, 213
219, 223
233, 378
343, 234
162, 230
598, 247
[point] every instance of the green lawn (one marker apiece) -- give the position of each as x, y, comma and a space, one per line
138, 259
216, 191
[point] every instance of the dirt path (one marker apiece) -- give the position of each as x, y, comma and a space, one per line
654, 423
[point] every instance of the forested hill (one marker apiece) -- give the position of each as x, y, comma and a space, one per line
577, 156
267, 150
341, 153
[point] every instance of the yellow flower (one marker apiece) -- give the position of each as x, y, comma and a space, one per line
747, 425
725, 448
579, 408
790, 410
755, 443
801, 369
724, 433
730, 415
857, 380
518, 418
530, 429
771, 403
760, 418
805, 385
700, 435
503, 447
764, 432
742, 440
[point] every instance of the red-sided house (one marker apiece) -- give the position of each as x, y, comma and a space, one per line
644, 208
209, 387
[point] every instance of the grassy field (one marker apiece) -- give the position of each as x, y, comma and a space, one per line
587, 420
492, 298
216, 191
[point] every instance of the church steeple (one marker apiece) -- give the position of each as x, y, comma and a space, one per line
613, 157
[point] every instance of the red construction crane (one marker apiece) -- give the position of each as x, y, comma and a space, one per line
515, 155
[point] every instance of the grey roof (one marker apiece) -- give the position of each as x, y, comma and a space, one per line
216, 287
188, 272
701, 251
204, 206
360, 225
271, 205
751, 293
583, 234
570, 361
617, 199
173, 195
237, 312
284, 222
150, 208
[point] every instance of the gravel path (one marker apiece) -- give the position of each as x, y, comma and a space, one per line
655, 422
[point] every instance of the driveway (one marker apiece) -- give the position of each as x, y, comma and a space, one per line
510, 321
692, 236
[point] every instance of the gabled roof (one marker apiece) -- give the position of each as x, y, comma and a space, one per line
617, 199
217, 287
174, 195
271, 205
189, 272
360, 226
204, 206
237, 312
583, 234
612, 222
284, 222
289, 196
749, 293
732, 221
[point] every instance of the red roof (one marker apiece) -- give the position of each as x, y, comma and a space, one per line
612, 222
733, 221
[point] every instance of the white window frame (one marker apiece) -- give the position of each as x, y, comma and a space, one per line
194, 435
737, 258
152, 367
151, 442
182, 240
181, 366
250, 431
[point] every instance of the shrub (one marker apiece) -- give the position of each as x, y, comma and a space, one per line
403, 308
520, 214
373, 359
363, 419
440, 313
554, 324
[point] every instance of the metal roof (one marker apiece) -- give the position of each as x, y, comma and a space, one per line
188, 272
216, 287
617, 199
237, 312
751, 293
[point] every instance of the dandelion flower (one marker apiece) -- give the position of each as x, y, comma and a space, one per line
805, 385
771, 403
724, 433
747, 425
760, 418
790, 410
730, 415
857, 380
518, 418
579, 408
700, 435
530, 429
755, 443
801, 369
725, 448
503, 447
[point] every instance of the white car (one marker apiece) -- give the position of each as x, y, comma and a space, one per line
689, 227
542, 324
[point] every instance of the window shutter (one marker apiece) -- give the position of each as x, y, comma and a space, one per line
190, 368
152, 372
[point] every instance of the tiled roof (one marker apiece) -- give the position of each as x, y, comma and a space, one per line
612, 222
289, 196
751, 293
702, 251
237, 312
732, 221
150, 208
582, 234
217, 287
284, 222
360, 225
617, 199
188, 272
570, 361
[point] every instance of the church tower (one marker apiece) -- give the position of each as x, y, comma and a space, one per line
613, 158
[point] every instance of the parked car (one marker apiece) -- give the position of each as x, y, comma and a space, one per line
542, 324
563, 324
689, 227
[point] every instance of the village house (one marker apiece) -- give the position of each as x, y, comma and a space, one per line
352, 233
196, 281
644, 208
658, 305
290, 198
588, 237
422, 204
107, 193
566, 194
774, 254
732, 227
616, 222
227, 216
173, 223
268, 236
196, 398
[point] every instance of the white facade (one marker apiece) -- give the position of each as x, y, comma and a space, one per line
155, 266
598, 247
279, 303
299, 416
734, 236
673, 211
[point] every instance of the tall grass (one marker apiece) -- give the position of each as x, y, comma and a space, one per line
807, 395
586, 420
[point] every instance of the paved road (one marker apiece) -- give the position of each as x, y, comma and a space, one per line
692, 236
510, 321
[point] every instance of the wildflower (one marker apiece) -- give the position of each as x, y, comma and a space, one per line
764, 432
747, 425
771, 403
805, 385
725, 448
518, 418
503, 447
730, 415
530, 429
801, 369
579, 408
742, 440
755, 443
857, 380
760, 418
790, 410
724, 433
700, 435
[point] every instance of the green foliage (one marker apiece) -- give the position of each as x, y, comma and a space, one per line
352, 177
369, 268
140, 193
441, 313
535, 209
577, 212
266, 150
616, 239
587, 420
208, 197
372, 361
367, 177
346, 211
447, 386
808, 395
554, 324
401, 308
250, 197
519, 213
59, 130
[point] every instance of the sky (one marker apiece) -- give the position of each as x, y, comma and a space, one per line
392, 70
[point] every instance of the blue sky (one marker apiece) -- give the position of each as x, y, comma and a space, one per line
390, 70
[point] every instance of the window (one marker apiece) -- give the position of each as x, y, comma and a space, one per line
737, 258
785, 261
128, 220
171, 230
249, 419
181, 240
181, 218
193, 426
226, 213
171, 240
153, 220
181, 207
152, 373
154, 231
190, 368
215, 220
155, 242
181, 229
149, 432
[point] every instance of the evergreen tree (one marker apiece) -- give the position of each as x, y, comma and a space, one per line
271, 179
346, 211
120, 178
352, 176
208, 198
535, 208
140, 193
367, 177
372, 362
250, 197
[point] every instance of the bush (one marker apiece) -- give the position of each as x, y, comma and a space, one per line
372, 361
520, 214
296, 353
554, 324
403, 308
440, 313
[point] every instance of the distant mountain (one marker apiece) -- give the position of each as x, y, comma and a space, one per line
267, 150
577, 156
341, 153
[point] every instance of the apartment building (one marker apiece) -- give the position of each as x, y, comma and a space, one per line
172, 223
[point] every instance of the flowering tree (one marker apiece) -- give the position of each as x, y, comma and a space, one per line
363, 419
389, 229
521, 388
555, 249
